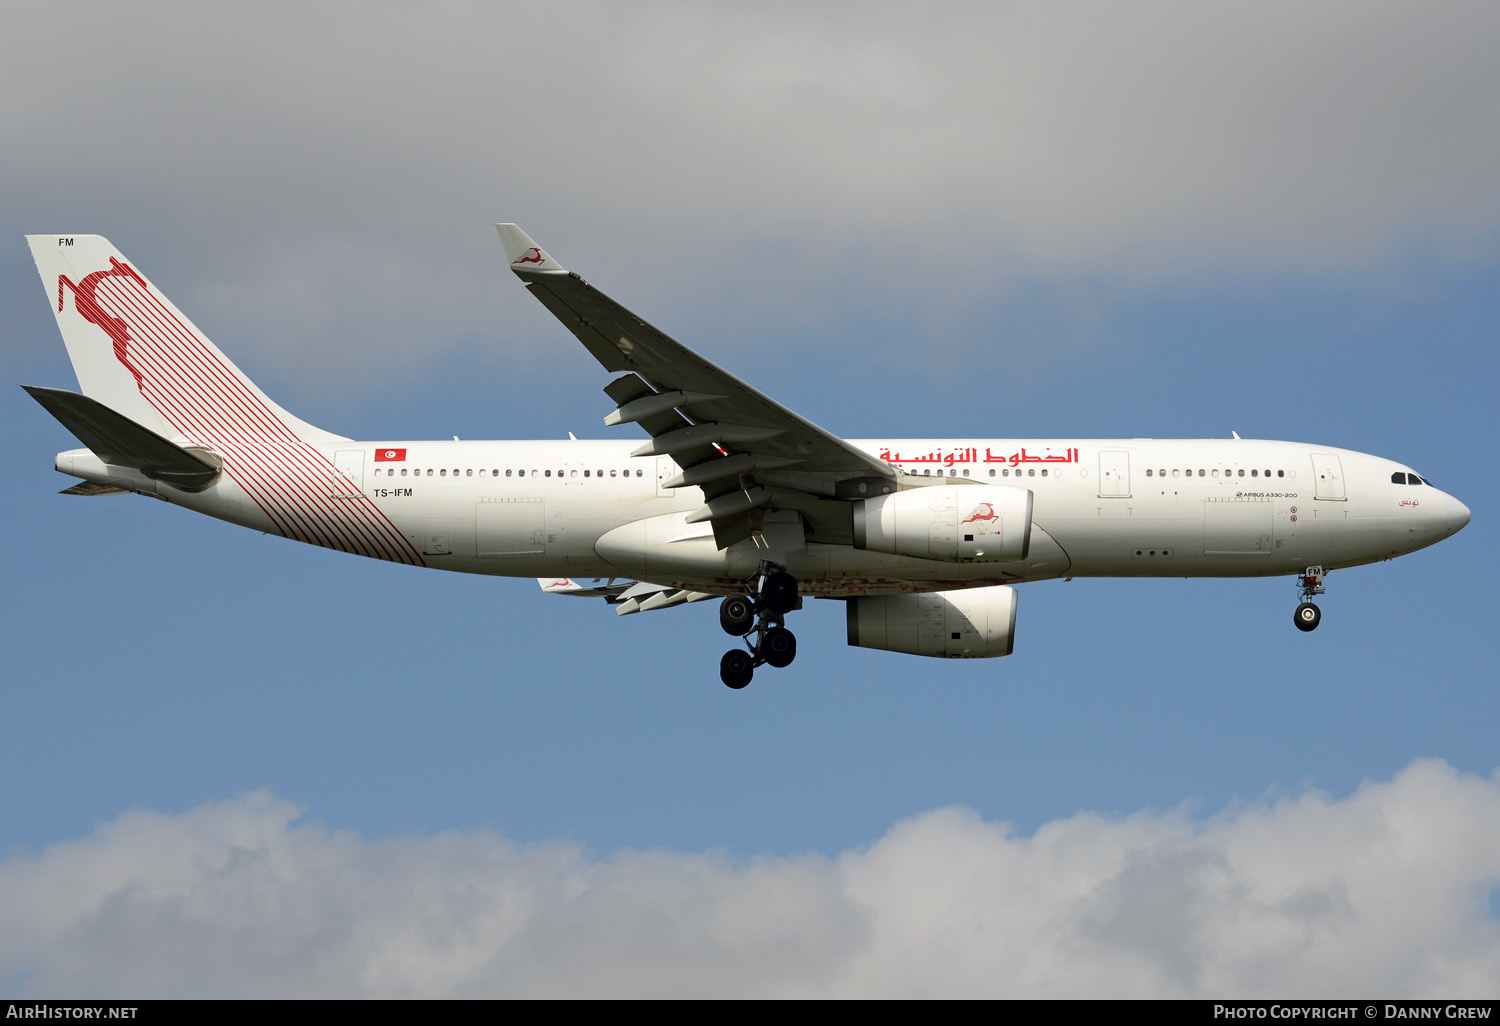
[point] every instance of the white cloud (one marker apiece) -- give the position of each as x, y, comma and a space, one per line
1380, 893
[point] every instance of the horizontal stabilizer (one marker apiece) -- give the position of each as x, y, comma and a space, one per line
121, 441
90, 488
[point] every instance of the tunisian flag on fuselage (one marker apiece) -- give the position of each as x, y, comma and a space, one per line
390, 455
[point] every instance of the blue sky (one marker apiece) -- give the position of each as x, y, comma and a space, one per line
1091, 248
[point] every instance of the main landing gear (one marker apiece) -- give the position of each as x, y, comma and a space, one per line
759, 616
1308, 616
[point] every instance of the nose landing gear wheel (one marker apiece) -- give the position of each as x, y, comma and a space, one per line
736, 668
1307, 616
1309, 583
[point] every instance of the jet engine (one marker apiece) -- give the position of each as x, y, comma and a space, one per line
976, 623
980, 523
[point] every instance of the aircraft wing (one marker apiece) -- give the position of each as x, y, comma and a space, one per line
745, 450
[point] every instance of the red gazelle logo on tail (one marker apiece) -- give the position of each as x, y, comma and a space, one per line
87, 304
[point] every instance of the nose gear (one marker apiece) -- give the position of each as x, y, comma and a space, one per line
1310, 583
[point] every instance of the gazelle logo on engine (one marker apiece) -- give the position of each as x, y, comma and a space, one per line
983, 511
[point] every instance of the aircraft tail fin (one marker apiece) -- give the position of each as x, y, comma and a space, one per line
136, 354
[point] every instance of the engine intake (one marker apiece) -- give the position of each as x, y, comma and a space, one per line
977, 623
978, 523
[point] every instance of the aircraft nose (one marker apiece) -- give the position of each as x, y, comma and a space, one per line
1458, 516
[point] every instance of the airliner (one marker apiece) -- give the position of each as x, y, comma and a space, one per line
732, 496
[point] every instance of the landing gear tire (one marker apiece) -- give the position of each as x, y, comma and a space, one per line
779, 647
779, 592
737, 615
736, 668
757, 617
1307, 617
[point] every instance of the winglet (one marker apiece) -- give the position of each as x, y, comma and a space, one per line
523, 252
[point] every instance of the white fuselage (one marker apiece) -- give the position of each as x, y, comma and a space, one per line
587, 509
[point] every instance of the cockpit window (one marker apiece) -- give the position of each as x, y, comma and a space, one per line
1414, 479
1399, 477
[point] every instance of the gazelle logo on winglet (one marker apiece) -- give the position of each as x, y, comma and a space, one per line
533, 256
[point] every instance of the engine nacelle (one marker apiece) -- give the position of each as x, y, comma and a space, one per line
982, 523
977, 623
